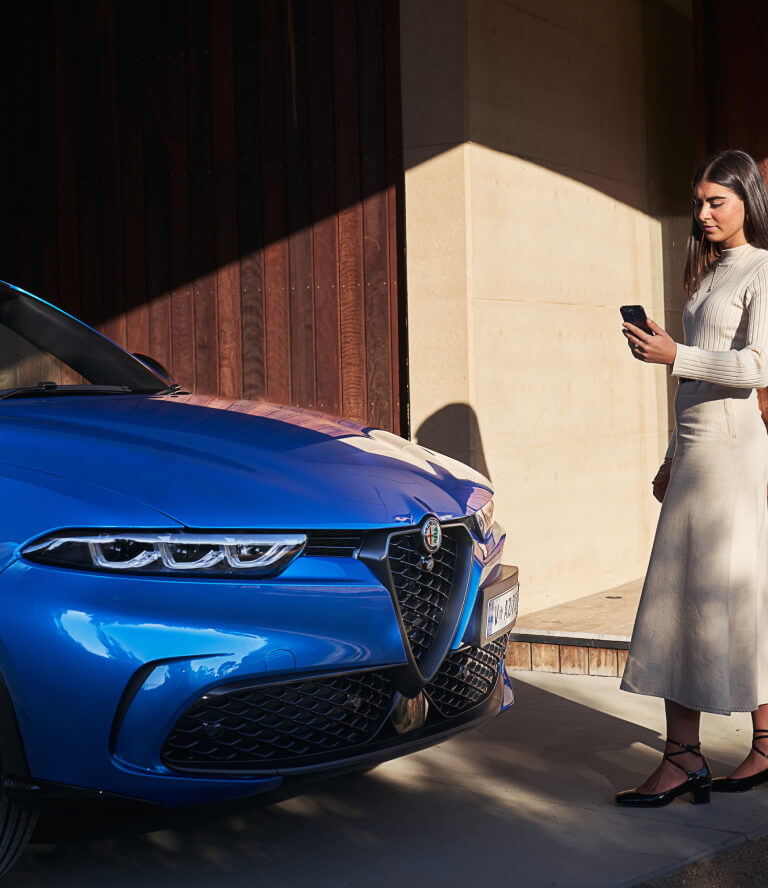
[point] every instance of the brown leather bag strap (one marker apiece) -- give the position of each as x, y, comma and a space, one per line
762, 400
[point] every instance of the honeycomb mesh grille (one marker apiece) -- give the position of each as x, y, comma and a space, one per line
275, 725
466, 677
422, 594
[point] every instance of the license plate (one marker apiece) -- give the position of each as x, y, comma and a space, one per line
502, 611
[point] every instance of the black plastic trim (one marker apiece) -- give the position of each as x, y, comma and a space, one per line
133, 687
14, 756
29, 792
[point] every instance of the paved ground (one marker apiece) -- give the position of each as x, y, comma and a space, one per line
525, 801
745, 866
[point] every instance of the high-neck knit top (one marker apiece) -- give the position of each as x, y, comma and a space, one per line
726, 322
726, 325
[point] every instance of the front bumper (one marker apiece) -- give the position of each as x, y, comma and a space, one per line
110, 678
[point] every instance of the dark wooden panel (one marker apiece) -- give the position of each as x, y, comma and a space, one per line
153, 83
277, 303
12, 154
66, 171
324, 221
68, 283
379, 409
87, 130
353, 377
110, 210
249, 197
130, 67
396, 221
38, 235
730, 102
217, 185
230, 355
201, 204
298, 201
182, 307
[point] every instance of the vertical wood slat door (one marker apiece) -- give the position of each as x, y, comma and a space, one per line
730, 75
219, 185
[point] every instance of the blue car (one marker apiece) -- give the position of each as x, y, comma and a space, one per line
203, 598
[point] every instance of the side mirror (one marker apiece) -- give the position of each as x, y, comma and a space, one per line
153, 365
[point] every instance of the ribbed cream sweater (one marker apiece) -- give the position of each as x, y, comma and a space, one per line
726, 324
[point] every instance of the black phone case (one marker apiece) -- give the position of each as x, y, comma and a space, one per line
635, 314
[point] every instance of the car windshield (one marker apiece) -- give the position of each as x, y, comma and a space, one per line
45, 351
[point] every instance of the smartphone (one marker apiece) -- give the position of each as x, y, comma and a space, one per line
635, 314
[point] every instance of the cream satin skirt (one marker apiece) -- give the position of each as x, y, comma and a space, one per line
701, 632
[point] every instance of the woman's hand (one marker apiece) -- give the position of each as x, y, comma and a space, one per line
661, 481
658, 349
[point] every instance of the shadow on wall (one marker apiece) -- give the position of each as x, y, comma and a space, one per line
455, 431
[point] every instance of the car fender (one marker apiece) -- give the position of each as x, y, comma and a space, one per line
38, 502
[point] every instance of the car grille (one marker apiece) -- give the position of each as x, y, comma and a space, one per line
422, 594
269, 726
466, 677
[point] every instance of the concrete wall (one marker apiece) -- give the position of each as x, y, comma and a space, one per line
546, 185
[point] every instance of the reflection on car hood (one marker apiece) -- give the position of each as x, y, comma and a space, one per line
209, 462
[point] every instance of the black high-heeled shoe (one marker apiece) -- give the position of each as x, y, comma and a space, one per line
698, 783
742, 784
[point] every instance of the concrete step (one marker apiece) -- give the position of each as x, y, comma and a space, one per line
589, 636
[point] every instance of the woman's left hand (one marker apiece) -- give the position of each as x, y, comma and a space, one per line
658, 349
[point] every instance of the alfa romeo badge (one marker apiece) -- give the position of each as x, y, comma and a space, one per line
431, 535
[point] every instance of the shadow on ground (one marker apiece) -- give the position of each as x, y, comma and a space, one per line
530, 792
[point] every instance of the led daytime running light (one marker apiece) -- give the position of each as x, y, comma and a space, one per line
259, 554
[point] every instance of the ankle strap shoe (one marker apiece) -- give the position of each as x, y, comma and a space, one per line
697, 783
742, 784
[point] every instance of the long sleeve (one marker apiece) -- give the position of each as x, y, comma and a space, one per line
745, 367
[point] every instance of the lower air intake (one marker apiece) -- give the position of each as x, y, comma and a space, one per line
466, 677
266, 727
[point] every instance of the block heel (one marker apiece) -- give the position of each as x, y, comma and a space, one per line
701, 796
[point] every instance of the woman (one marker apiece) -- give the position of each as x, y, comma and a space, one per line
701, 635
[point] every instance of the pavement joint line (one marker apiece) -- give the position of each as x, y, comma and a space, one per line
673, 868
737, 838
640, 813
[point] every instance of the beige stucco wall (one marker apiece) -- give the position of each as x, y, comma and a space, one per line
535, 207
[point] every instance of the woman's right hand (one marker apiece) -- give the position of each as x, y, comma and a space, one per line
661, 481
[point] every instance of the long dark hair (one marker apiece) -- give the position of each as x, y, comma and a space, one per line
739, 172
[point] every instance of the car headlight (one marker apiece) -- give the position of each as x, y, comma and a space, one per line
484, 519
169, 553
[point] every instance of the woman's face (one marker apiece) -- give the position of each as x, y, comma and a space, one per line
720, 214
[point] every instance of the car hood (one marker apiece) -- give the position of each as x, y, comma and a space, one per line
209, 462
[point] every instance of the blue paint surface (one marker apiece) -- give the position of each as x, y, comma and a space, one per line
72, 642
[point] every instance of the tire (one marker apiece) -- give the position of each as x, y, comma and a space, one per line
16, 825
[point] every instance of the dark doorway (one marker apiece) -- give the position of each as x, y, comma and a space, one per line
218, 184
